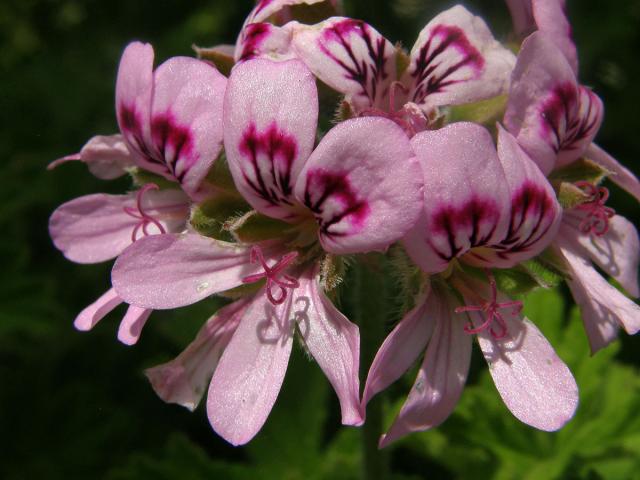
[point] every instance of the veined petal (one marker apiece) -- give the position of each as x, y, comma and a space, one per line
98, 227
349, 56
535, 213
534, 383
184, 379
553, 118
617, 252
442, 376
134, 91
363, 185
174, 270
332, 340
456, 60
248, 378
106, 156
621, 175
551, 18
91, 315
132, 324
601, 304
264, 40
186, 120
466, 195
271, 115
401, 348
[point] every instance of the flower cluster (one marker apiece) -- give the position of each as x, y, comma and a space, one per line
473, 163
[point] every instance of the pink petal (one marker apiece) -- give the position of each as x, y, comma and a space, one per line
332, 340
134, 90
621, 176
601, 304
363, 185
91, 315
264, 40
401, 348
535, 213
186, 120
247, 381
617, 252
522, 16
553, 118
466, 195
532, 380
170, 271
456, 60
551, 18
442, 376
184, 379
107, 157
98, 227
271, 114
349, 56
132, 324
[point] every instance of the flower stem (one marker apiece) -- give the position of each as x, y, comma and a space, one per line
370, 312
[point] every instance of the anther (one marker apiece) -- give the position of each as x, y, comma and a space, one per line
491, 310
274, 275
596, 220
139, 213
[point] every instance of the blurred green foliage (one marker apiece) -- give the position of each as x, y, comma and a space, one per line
76, 405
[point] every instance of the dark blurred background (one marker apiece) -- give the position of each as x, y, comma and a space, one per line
76, 405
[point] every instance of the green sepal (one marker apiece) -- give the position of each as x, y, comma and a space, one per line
332, 271
219, 176
548, 269
582, 169
254, 227
515, 282
402, 60
142, 177
209, 218
344, 112
223, 62
310, 14
486, 112
570, 196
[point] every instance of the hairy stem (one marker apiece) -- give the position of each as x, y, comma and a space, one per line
370, 311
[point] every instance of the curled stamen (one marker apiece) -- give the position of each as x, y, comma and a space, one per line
596, 220
491, 310
274, 275
139, 213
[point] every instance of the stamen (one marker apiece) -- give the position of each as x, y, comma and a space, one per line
596, 221
491, 312
395, 85
139, 213
274, 275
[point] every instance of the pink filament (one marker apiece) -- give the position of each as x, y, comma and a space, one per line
596, 221
392, 114
491, 312
274, 275
139, 213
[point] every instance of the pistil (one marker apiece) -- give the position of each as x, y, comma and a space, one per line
139, 213
596, 220
274, 275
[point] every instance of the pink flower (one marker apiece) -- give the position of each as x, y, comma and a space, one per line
455, 60
170, 118
96, 228
359, 190
555, 119
482, 208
